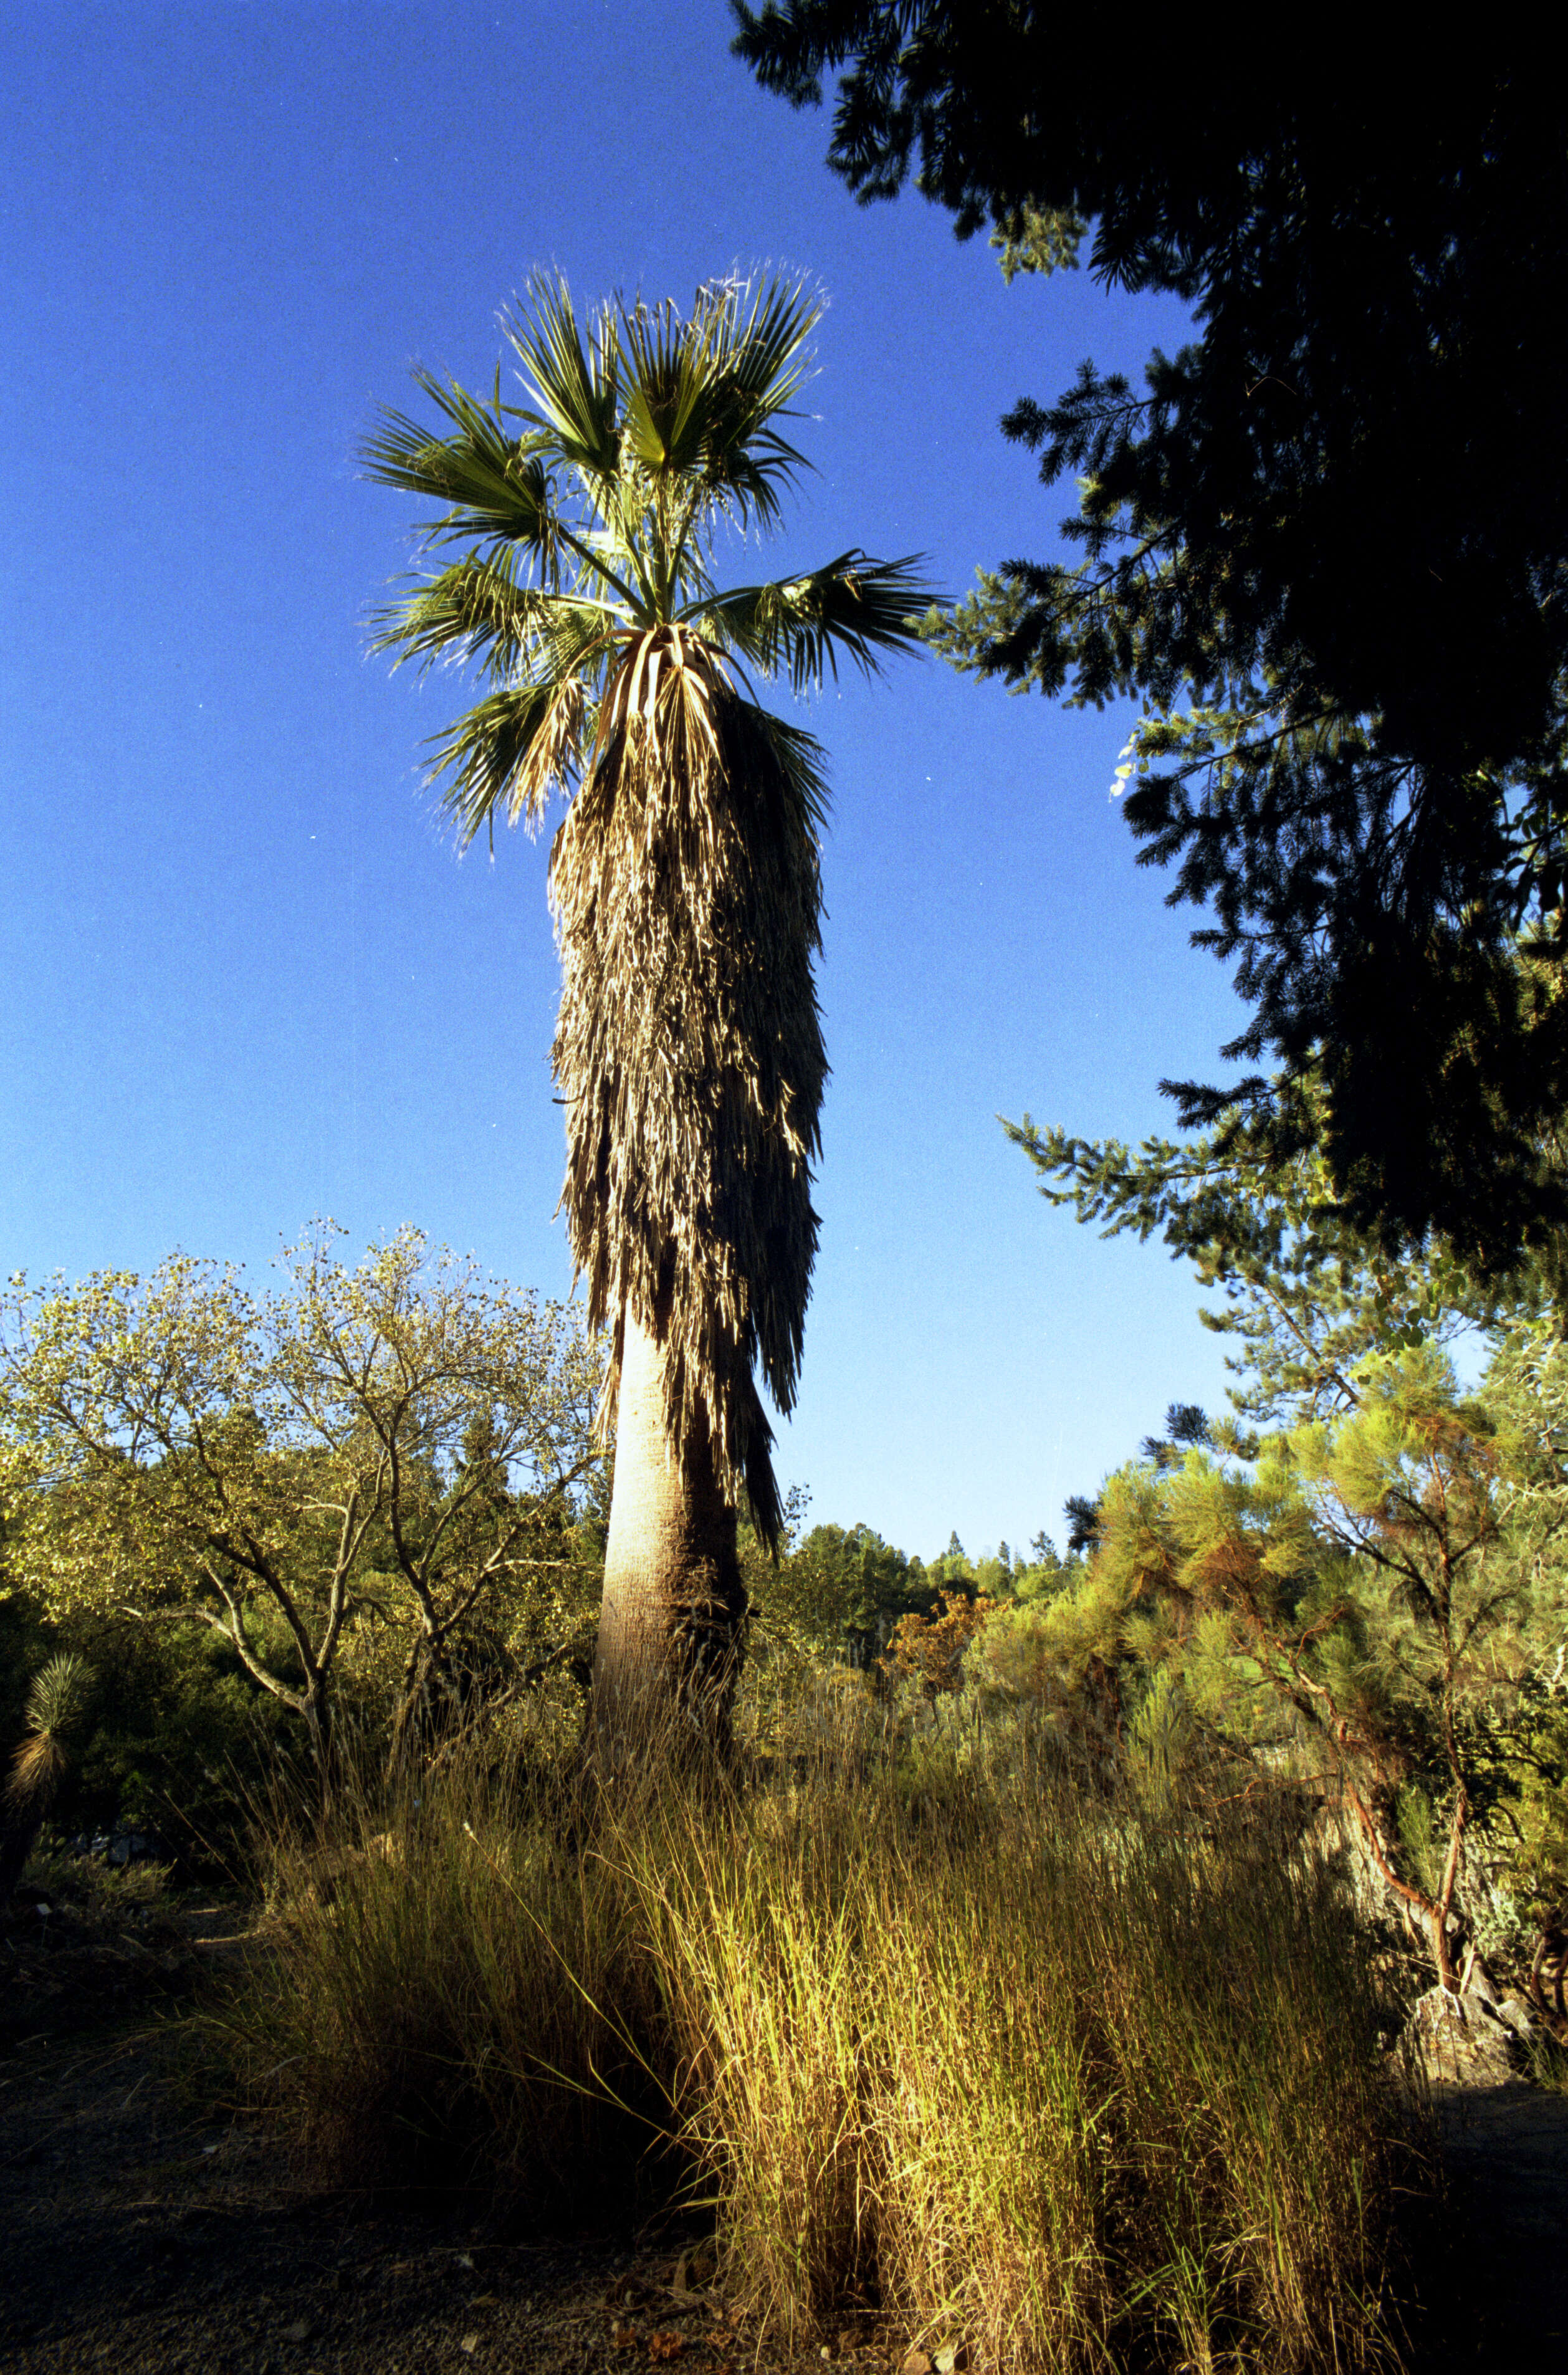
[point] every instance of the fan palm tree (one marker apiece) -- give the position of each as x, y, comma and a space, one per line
684, 881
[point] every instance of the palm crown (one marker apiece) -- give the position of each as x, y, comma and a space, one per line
589, 518
685, 877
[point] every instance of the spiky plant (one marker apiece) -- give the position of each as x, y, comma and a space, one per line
57, 1708
56, 1715
684, 879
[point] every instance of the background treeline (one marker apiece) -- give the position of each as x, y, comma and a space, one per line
1031, 1973
369, 1512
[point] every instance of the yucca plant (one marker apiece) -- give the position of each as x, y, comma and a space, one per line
57, 1708
685, 883
56, 1711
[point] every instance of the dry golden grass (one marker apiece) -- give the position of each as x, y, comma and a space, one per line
1074, 2084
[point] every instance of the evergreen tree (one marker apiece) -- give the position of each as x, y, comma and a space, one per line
1349, 1592
1305, 1295
1326, 544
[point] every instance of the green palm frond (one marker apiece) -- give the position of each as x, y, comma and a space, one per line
480, 610
668, 392
702, 393
512, 751
576, 388
855, 608
496, 483
764, 371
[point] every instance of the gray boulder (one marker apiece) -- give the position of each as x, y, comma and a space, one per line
1463, 2041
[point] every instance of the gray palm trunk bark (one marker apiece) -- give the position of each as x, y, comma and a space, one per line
671, 1626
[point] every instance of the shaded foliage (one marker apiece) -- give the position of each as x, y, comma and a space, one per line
1325, 545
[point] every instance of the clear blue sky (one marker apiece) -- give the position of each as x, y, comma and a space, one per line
246, 979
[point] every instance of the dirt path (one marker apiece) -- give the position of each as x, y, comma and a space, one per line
142, 2237
1506, 2150
142, 2233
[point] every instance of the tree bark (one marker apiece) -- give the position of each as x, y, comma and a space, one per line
671, 1627
321, 1732
1444, 1951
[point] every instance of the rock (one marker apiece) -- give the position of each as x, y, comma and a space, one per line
298, 2332
915, 2362
1463, 2041
695, 2270
1520, 2017
952, 2357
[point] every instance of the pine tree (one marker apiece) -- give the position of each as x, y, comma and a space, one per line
1325, 545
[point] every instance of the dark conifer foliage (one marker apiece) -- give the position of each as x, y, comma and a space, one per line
1081, 1512
1326, 544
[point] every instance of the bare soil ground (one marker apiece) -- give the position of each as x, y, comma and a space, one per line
143, 2232
1498, 2292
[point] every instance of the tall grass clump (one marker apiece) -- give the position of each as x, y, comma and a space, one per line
444, 1992
1068, 2083
1077, 2080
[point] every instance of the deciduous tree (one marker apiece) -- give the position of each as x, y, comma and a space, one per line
372, 1446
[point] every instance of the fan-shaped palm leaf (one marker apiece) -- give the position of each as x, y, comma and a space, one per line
480, 610
495, 484
855, 608
575, 387
702, 395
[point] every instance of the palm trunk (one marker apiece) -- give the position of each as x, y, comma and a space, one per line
670, 1632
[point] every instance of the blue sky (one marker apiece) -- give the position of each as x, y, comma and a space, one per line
248, 981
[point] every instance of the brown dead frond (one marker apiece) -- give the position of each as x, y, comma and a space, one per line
37, 1771
688, 896
553, 756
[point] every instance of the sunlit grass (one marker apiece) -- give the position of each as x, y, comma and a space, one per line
998, 2061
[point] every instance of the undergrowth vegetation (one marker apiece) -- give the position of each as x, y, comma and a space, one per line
1077, 2081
